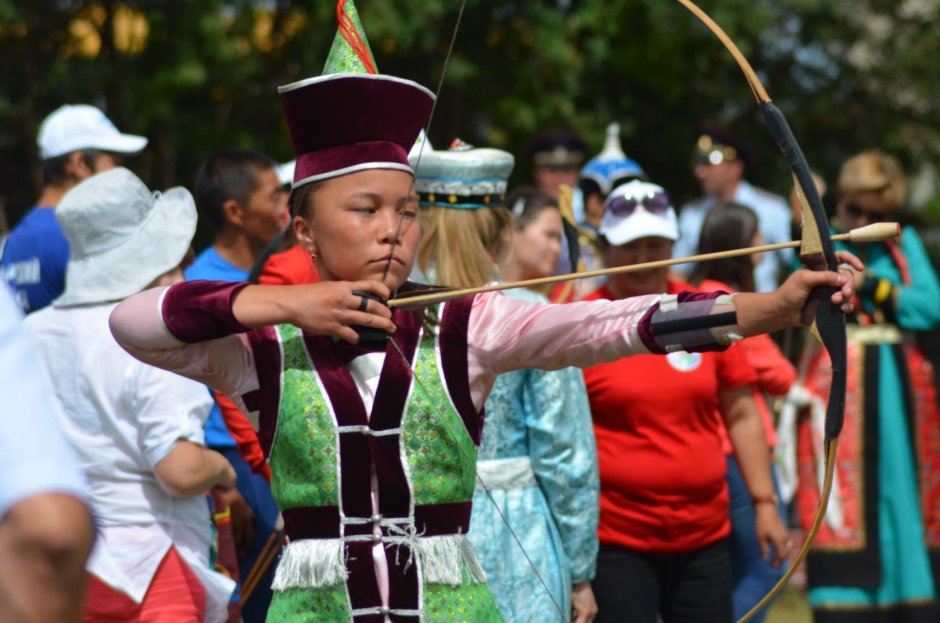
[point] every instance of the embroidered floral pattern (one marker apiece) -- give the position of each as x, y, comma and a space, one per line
303, 458
468, 602
441, 454
298, 605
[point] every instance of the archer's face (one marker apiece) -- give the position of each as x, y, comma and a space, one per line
352, 225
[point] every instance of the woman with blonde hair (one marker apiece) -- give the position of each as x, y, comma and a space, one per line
879, 557
537, 463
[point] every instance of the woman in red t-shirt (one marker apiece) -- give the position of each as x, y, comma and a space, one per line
664, 500
732, 226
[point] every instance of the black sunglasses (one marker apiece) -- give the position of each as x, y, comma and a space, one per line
856, 212
654, 203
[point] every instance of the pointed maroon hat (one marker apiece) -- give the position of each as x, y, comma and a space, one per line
352, 118
342, 123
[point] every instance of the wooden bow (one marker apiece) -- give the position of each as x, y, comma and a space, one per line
816, 251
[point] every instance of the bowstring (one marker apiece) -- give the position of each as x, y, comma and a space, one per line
417, 381
472, 461
427, 128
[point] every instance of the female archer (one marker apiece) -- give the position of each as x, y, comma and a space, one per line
372, 443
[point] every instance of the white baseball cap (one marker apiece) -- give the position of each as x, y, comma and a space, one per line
80, 126
638, 210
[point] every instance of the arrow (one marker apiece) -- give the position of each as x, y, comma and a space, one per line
875, 232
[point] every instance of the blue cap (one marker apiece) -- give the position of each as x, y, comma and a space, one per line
611, 165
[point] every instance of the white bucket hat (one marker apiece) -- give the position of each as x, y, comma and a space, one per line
122, 236
81, 126
638, 210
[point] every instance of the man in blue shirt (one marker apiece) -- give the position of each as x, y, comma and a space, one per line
720, 161
240, 193
75, 142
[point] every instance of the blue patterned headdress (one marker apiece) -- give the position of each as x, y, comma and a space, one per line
611, 167
463, 177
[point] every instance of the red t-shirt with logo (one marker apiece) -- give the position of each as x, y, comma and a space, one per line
662, 466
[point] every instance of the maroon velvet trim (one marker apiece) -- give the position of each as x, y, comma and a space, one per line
441, 519
453, 339
267, 354
344, 156
352, 111
311, 522
195, 311
355, 461
403, 585
252, 400
645, 330
645, 326
362, 584
322, 522
387, 411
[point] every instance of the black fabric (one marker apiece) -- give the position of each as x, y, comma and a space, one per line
860, 568
688, 587
909, 613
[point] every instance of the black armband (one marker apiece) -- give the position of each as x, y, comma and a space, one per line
691, 321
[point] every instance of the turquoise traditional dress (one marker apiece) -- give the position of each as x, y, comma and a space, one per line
539, 462
880, 560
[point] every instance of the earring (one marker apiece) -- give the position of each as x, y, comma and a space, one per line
313, 255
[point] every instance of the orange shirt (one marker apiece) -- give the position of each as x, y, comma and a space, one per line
659, 450
293, 266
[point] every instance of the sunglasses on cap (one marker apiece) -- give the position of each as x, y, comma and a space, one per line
856, 211
654, 203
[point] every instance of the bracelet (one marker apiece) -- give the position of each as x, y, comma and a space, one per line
764, 499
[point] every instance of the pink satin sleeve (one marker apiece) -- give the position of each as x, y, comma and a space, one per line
507, 334
225, 363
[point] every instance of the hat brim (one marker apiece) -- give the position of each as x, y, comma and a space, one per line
155, 249
640, 224
121, 144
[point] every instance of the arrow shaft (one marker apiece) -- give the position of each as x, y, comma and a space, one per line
427, 299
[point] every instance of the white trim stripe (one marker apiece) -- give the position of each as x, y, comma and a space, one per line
348, 75
352, 169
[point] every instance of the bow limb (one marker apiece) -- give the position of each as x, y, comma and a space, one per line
816, 251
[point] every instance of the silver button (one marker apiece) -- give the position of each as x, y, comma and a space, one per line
376, 518
384, 610
376, 538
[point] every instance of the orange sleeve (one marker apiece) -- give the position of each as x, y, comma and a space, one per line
245, 436
289, 267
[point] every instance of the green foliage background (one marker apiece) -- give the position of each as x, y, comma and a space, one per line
849, 75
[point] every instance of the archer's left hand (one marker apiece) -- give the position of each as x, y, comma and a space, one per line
795, 291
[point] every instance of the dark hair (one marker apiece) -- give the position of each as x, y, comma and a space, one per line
228, 174
299, 200
53, 169
727, 226
526, 203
